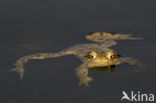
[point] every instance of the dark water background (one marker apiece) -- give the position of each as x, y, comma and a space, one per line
32, 26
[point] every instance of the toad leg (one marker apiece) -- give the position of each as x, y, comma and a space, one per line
82, 73
38, 56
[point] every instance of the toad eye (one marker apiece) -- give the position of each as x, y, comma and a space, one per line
90, 56
111, 56
93, 56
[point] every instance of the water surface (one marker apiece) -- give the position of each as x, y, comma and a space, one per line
32, 26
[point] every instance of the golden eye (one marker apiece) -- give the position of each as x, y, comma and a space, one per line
93, 56
90, 56
111, 55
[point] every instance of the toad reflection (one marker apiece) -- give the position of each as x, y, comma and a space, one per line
94, 56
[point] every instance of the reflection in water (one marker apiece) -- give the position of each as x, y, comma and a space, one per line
108, 68
97, 56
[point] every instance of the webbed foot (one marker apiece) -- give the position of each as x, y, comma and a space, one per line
85, 81
19, 70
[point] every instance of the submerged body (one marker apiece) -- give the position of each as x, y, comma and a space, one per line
95, 55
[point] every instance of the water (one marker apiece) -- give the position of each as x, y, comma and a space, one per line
32, 26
